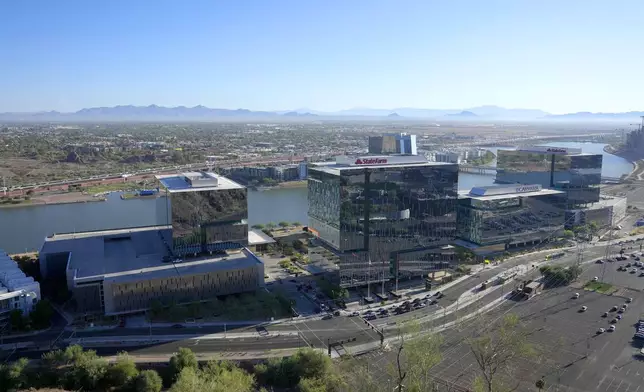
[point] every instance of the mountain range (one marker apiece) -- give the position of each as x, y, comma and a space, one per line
202, 113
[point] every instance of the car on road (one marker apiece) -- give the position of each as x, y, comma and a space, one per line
370, 317
433, 302
438, 294
595, 279
629, 300
575, 296
641, 274
583, 308
611, 328
634, 270
601, 330
614, 308
621, 268
605, 314
628, 265
329, 317
354, 314
600, 261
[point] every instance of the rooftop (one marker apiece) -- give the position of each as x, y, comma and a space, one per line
374, 162
500, 192
258, 237
196, 182
117, 254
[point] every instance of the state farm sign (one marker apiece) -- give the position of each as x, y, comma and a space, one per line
552, 149
370, 161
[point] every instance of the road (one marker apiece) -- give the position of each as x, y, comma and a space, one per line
351, 332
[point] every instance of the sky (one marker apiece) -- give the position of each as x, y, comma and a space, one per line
327, 55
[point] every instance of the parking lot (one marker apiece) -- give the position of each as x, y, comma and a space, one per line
608, 273
574, 357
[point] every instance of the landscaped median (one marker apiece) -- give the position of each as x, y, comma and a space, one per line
600, 287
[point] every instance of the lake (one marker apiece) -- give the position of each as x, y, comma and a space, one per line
24, 228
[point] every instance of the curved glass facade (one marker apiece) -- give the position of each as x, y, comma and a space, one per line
396, 217
579, 175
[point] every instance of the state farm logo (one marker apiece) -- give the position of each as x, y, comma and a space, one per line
557, 150
369, 161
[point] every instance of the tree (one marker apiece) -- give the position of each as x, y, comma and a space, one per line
85, 369
568, 234
122, 372
296, 223
593, 229
284, 224
270, 226
41, 314
258, 226
14, 376
214, 377
185, 358
17, 321
557, 275
497, 353
148, 381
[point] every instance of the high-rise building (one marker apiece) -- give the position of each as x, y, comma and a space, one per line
566, 169
384, 215
393, 143
207, 212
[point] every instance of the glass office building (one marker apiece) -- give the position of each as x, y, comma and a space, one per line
502, 217
576, 174
384, 215
207, 212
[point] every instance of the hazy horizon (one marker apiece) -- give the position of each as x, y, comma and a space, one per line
559, 57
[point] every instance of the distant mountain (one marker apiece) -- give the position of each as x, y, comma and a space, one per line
463, 114
596, 116
296, 114
202, 113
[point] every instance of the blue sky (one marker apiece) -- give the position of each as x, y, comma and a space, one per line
556, 55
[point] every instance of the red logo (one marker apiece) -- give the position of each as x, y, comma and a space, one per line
370, 161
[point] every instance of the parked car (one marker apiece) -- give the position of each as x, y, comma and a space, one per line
583, 308
601, 330
611, 328
575, 296
354, 314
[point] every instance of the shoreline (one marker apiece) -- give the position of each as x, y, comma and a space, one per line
38, 204
638, 164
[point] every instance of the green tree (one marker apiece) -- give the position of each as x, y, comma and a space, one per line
557, 275
185, 358
148, 381
296, 223
41, 314
122, 372
14, 375
283, 224
85, 370
214, 377
568, 234
593, 229
258, 226
270, 226
17, 321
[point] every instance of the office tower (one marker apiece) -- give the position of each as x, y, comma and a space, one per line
384, 215
566, 169
393, 143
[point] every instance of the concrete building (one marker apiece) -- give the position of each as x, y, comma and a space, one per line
303, 170
393, 143
122, 271
447, 157
17, 291
383, 216
607, 212
498, 218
